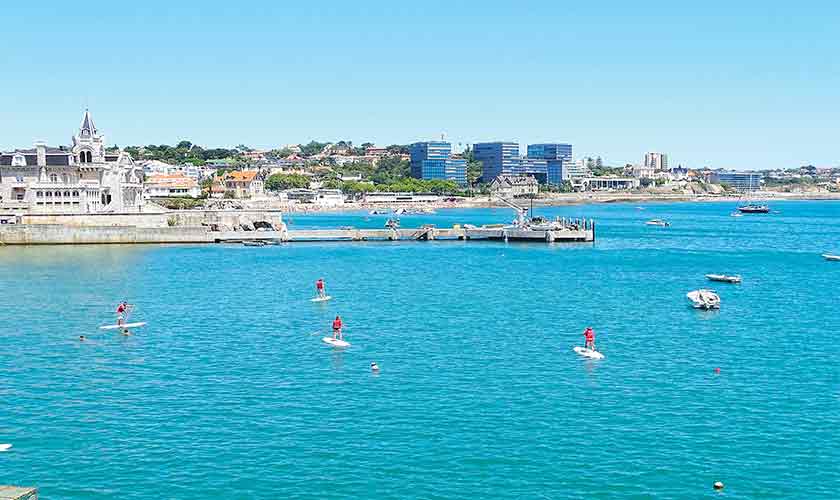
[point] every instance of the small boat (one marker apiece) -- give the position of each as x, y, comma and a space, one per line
704, 299
736, 214
828, 256
255, 243
378, 212
657, 222
723, 278
752, 208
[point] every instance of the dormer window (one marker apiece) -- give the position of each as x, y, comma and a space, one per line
18, 160
53, 178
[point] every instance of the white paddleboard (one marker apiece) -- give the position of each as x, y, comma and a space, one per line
335, 342
588, 353
321, 299
126, 325
5, 447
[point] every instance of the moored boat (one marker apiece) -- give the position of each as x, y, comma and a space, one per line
704, 299
828, 256
253, 243
752, 208
723, 278
657, 222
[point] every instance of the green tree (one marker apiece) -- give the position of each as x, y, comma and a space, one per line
279, 182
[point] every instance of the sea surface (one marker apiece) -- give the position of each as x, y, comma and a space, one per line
229, 392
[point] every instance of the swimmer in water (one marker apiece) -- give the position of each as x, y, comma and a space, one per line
373, 366
81, 338
126, 332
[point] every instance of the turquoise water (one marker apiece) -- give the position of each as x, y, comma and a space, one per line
229, 392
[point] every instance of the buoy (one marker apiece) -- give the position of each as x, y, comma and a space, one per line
717, 370
718, 485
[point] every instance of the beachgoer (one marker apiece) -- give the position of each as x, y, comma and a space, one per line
589, 333
337, 328
373, 366
319, 286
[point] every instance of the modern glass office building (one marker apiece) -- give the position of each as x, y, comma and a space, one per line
742, 181
433, 160
497, 158
553, 151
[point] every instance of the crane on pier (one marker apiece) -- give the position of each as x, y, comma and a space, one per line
521, 212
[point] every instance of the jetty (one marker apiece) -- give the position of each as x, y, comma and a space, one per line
570, 231
576, 231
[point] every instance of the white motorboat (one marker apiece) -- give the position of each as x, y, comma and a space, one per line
657, 222
828, 256
723, 278
704, 299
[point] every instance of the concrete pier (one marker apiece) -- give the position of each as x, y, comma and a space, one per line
53, 234
18, 493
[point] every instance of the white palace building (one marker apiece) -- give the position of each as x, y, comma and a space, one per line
82, 179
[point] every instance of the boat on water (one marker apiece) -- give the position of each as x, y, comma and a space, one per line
658, 222
828, 256
753, 208
704, 299
723, 278
736, 214
378, 212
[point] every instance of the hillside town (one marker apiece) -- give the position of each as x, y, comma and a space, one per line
88, 176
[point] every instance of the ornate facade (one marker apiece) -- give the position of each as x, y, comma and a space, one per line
82, 178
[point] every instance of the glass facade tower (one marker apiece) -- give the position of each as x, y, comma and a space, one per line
433, 161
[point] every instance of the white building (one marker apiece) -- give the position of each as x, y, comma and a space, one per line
573, 170
173, 185
656, 161
606, 183
400, 198
643, 171
513, 186
82, 178
329, 197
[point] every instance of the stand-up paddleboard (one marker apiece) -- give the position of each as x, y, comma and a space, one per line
335, 342
5, 447
588, 353
124, 325
321, 299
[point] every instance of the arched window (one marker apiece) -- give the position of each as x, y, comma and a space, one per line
39, 194
48, 194
75, 193
53, 178
67, 194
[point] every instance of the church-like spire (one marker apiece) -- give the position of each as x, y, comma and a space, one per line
88, 128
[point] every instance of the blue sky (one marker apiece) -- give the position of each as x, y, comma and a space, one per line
726, 84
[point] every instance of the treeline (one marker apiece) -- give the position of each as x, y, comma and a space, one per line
184, 152
280, 182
